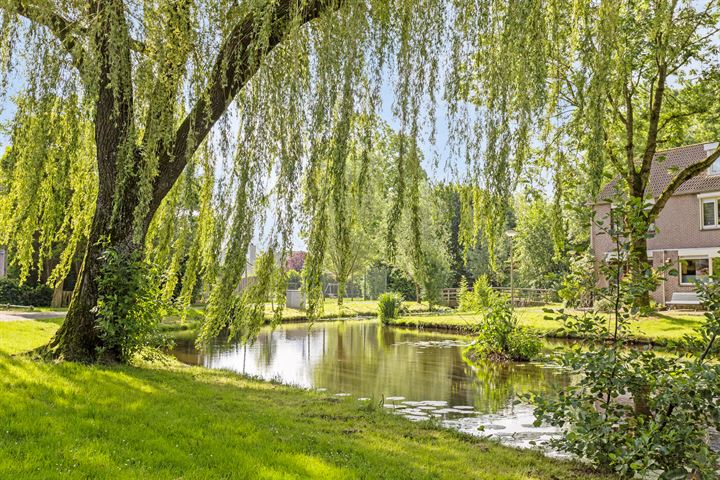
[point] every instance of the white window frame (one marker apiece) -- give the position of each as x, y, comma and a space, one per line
704, 198
694, 257
716, 202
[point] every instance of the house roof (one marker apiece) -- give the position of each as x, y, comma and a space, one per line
679, 157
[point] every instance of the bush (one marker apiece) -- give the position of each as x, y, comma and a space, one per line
11, 292
294, 280
499, 336
523, 345
389, 306
579, 283
129, 306
478, 298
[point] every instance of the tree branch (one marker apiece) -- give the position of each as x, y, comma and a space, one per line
69, 33
234, 66
40, 13
629, 132
685, 175
653, 122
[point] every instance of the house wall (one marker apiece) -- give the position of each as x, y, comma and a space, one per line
678, 229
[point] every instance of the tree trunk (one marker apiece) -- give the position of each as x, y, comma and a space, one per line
114, 223
341, 292
640, 269
78, 339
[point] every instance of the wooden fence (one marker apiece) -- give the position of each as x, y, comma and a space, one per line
523, 297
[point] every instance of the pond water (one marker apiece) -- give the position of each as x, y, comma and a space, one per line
419, 374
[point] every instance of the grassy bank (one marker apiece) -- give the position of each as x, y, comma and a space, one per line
331, 310
659, 328
171, 421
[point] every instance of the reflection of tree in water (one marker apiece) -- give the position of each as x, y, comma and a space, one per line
371, 360
366, 359
499, 383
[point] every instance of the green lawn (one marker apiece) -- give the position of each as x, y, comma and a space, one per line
170, 421
331, 310
351, 308
659, 328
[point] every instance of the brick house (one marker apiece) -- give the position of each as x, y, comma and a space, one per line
687, 230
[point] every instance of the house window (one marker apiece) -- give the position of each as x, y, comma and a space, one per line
694, 269
710, 213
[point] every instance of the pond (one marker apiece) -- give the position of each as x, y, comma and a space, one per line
419, 374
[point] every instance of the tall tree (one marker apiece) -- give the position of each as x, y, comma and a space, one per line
142, 143
355, 219
624, 79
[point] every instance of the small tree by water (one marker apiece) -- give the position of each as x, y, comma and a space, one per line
499, 335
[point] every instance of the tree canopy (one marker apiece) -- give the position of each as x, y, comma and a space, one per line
252, 103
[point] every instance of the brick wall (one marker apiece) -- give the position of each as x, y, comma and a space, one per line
678, 226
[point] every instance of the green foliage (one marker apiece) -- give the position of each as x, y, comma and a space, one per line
389, 307
435, 277
129, 307
294, 279
244, 312
538, 262
579, 283
14, 293
49, 184
633, 411
477, 299
451, 211
498, 335
422, 245
462, 288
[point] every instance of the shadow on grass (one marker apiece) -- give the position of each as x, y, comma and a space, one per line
60, 420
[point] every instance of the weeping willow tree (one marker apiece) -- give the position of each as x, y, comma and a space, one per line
357, 213
191, 142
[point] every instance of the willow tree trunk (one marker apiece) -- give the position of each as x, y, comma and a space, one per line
78, 338
119, 151
114, 223
113, 227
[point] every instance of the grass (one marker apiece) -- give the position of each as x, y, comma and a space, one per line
659, 328
157, 421
331, 310
351, 308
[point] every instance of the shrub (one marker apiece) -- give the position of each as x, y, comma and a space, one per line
579, 283
294, 280
389, 306
478, 298
499, 336
523, 345
129, 306
11, 292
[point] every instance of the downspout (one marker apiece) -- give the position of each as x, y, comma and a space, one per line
663, 281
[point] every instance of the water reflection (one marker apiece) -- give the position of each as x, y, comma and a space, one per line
406, 367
